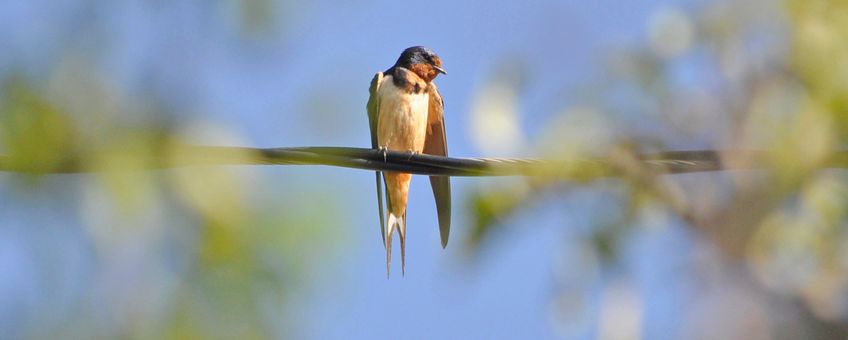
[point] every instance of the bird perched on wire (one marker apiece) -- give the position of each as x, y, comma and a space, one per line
406, 113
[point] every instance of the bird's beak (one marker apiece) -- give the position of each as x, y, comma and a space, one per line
440, 70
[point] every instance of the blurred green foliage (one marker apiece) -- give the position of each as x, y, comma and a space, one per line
220, 260
777, 80
35, 133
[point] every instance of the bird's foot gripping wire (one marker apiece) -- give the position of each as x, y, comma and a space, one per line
385, 151
411, 153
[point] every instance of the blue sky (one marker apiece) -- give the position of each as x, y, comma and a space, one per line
304, 82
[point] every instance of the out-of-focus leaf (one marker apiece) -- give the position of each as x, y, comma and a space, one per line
36, 135
490, 207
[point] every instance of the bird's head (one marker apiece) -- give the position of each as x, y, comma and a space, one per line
422, 61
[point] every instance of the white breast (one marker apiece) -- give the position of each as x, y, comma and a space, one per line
402, 117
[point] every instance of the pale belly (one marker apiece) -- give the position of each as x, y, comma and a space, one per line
402, 122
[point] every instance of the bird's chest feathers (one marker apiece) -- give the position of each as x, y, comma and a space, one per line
402, 122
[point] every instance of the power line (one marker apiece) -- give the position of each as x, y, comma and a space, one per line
423, 164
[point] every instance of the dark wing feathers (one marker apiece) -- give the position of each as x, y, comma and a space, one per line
436, 144
373, 108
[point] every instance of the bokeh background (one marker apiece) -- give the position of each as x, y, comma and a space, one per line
295, 252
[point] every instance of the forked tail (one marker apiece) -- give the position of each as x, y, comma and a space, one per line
400, 222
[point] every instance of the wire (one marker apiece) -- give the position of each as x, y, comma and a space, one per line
424, 164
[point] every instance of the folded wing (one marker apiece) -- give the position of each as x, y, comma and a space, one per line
436, 144
373, 110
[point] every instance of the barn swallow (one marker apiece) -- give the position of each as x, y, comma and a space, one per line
406, 113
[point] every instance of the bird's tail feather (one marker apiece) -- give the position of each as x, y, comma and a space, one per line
400, 224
